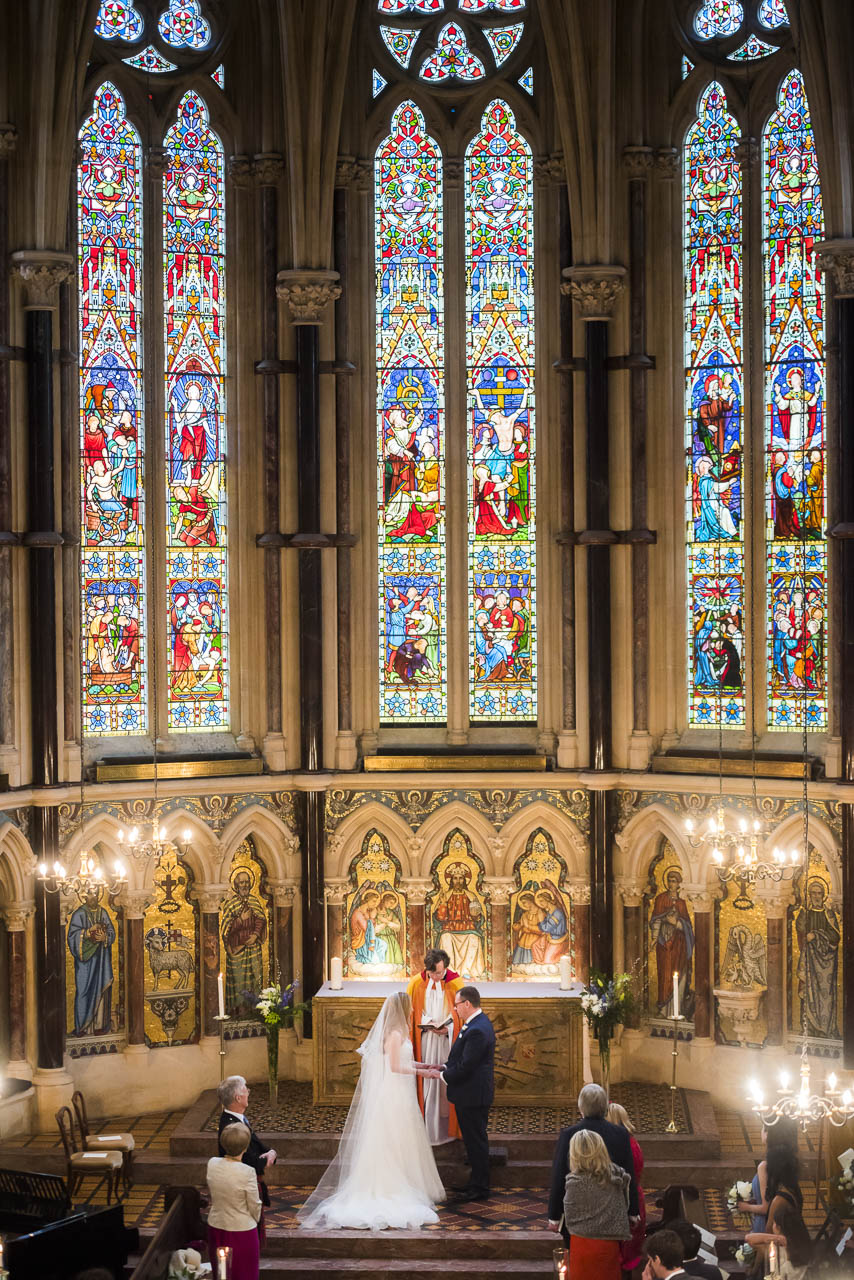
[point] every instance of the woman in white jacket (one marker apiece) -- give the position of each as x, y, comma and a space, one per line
235, 1206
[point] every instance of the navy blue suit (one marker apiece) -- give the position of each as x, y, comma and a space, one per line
470, 1076
619, 1148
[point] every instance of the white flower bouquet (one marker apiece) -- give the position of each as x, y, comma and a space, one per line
745, 1253
738, 1191
844, 1183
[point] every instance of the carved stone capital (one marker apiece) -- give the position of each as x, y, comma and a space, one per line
500, 890
283, 891
700, 899
772, 898
268, 168
416, 891
42, 271
836, 258
353, 172
210, 897
308, 293
8, 139
239, 171
637, 162
667, 163
135, 902
549, 170
579, 892
16, 914
747, 152
156, 163
335, 891
631, 893
594, 288
453, 174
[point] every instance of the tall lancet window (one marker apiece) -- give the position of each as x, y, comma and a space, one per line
500, 362
714, 397
795, 415
112, 426
194, 366
410, 321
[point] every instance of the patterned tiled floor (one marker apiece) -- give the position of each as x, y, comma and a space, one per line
151, 1132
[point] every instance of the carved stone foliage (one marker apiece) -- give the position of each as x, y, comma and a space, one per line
42, 271
239, 170
595, 289
216, 811
637, 162
8, 139
495, 804
308, 294
667, 163
836, 258
355, 173
268, 169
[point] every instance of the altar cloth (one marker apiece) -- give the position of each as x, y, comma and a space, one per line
488, 990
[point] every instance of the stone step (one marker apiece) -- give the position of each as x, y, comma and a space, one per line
425, 1246
389, 1269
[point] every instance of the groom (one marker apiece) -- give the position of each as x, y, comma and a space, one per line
469, 1076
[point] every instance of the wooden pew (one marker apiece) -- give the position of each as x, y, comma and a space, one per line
62, 1250
29, 1201
181, 1225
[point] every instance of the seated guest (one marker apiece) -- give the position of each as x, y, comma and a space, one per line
233, 1093
630, 1250
664, 1254
235, 1205
785, 1225
782, 1134
595, 1209
691, 1241
593, 1105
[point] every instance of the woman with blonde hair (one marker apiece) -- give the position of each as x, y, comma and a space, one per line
630, 1250
595, 1209
235, 1204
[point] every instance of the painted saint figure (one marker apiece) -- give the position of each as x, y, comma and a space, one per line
673, 938
460, 919
243, 923
819, 935
91, 935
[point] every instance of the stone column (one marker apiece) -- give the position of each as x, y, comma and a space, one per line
8, 140
836, 259
416, 921
595, 290
210, 898
774, 900
41, 272
135, 903
283, 901
703, 903
579, 892
633, 940
308, 295
499, 899
16, 916
335, 894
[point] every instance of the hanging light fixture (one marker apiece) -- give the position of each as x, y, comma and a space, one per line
804, 1106
88, 878
155, 845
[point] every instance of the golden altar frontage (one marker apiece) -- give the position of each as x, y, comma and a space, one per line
538, 1027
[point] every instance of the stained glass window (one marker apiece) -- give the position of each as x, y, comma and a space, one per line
411, 422
718, 18
400, 41
687, 67
752, 48
713, 410
402, 6
772, 14
195, 367
452, 57
503, 40
475, 6
182, 25
150, 60
113, 606
795, 416
218, 76
378, 83
500, 365
118, 20
526, 80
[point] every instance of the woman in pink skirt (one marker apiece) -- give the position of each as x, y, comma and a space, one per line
630, 1250
235, 1206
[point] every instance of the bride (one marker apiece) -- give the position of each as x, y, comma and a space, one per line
384, 1174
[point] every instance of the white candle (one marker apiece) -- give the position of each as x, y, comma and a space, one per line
222, 1263
772, 1259
221, 995
565, 973
676, 995
336, 973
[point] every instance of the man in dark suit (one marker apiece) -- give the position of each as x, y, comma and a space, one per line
469, 1075
593, 1105
233, 1093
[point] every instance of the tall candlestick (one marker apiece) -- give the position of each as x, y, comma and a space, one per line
222, 1258
676, 995
336, 973
221, 995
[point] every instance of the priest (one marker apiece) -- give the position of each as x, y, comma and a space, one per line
435, 1027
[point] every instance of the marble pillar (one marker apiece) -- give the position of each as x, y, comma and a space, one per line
135, 903
283, 901
416, 921
335, 894
210, 898
499, 898
16, 916
703, 904
580, 896
774, 901
633, 940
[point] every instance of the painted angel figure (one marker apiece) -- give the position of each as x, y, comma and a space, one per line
745, 959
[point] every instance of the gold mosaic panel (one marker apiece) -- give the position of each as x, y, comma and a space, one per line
457, 913
815, 955
375, 915
741, 949
540, 912
94, 966
669, 936
170, 968
246, 928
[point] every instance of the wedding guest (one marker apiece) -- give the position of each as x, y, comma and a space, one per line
592, 1106
782, 1134
664, 1255
785, 1225
691, 1242
595, 1209
235, 1205
630, 1250
233, 1094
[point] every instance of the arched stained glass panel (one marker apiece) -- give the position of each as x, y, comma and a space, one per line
795, 417
410, 323
713, 412
452, 57
772, 14
119, 20
195, 367
404, 6
182, 25
499, 209
718, 18
477, 6
109, 237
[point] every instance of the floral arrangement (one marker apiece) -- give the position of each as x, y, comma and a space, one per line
844, 1183
607, 1002
745, 1253
275, 1006
186, 1264
738, 1191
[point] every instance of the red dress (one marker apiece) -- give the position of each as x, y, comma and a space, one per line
593, 1259
630, 1250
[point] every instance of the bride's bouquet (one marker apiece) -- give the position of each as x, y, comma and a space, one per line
738, 1191
186, 1264
745, 1253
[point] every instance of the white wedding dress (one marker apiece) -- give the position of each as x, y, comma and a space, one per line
384, 1174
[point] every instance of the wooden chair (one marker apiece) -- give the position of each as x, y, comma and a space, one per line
82, 1164
122, 1142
